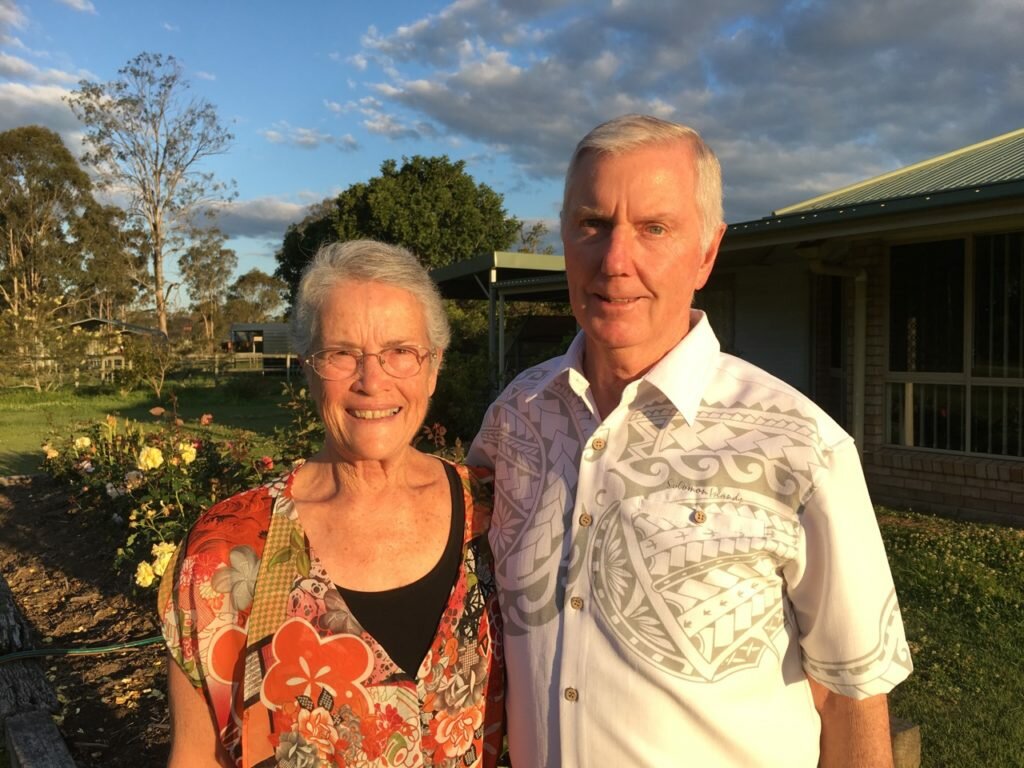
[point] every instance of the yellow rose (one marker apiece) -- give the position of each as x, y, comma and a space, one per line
162, 552
144, 574
49, 452
81, 443
150, 458
187, 451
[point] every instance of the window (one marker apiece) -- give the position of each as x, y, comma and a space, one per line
956, 345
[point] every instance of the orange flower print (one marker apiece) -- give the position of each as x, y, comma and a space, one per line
318, 729
227, 665
453, 733
307, 665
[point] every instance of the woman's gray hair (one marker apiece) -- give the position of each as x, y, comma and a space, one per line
628, 132
365, 261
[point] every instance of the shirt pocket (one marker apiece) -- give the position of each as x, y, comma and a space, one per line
667, 523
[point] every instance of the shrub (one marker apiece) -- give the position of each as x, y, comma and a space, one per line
151, 484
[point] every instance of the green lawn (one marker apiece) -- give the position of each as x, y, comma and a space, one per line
961, 590
246, 401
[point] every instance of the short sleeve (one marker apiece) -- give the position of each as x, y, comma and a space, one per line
841, 588
205, 598
484, 446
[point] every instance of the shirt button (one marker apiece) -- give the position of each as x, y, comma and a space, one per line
576, 602
586, 519
699, 516
598, 444
571, 694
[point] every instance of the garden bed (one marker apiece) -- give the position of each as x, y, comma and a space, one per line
57, 563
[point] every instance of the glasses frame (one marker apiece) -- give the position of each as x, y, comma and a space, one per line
422, 353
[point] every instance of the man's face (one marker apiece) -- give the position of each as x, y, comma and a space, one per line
633, 259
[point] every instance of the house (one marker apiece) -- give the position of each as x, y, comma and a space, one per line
260, 338
898, 304
105, 351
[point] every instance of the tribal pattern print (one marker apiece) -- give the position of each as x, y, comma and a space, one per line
692, 524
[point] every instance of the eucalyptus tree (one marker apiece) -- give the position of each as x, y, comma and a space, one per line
148, 138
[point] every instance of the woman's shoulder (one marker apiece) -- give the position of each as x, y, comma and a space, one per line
241, 520
478, 495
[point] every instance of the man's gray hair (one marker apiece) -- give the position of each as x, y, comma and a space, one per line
628, 132
365, 261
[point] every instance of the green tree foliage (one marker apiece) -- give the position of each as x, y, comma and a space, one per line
302, 240
148, 360
256, 297
430, 205
147, 136
206, 267
114, 271
43, 192
50, 229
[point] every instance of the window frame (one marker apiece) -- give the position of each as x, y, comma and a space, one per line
962, 378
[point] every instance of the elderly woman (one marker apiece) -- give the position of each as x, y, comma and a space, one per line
345, 614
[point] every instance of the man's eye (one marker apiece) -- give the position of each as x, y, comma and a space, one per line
402, 352
341, 356
655, 229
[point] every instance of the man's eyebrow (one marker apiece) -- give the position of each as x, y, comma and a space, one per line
586, 210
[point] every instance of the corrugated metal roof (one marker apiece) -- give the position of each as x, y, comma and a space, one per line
998, 160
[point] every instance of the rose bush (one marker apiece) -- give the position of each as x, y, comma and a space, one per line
151, 484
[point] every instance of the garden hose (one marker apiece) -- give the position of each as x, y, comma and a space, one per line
36, 652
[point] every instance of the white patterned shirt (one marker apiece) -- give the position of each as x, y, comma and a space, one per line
670, 575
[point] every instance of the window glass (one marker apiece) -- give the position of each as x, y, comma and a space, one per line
998, 306
926, 307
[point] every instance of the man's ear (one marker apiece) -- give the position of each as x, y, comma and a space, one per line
707, 262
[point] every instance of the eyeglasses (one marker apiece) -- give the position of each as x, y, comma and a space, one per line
398, 362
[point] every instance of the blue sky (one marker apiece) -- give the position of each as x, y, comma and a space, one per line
798, 97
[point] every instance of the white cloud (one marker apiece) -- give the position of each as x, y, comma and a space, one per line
11, 16
799, 98
307, 138
83, 6
22, 104
259, 217
205, 75
170, 27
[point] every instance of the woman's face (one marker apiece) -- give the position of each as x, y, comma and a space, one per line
372, 416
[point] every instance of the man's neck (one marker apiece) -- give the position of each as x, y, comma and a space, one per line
610, 371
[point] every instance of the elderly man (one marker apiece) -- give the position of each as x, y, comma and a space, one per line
689, 567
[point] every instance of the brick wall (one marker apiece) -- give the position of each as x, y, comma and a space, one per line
968, 487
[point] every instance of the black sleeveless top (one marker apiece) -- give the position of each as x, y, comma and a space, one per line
404, 620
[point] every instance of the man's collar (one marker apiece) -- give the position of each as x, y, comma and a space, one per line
682, 375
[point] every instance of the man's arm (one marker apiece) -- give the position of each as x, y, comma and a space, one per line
854, 733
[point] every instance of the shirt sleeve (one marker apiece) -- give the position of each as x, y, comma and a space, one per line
205, 599
841, 589
484, 446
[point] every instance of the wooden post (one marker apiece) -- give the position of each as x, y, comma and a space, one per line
906, 743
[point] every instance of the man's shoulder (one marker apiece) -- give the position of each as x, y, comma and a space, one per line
738, 384
534, 379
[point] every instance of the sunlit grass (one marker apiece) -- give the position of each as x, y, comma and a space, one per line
961, 590
27, 418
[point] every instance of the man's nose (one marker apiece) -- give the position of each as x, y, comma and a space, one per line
618, 255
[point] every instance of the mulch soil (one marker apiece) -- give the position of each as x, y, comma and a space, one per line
57, 562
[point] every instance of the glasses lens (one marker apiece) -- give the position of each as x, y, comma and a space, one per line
401, 362
333, 364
